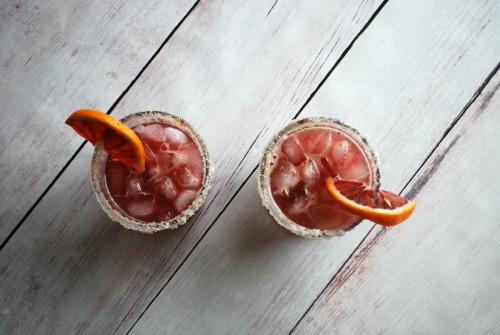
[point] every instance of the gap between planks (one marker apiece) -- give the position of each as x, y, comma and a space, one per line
418, 186
311, 96
237, 191
113, 106
410, 194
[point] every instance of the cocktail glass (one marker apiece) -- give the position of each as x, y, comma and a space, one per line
174, 184
295, 165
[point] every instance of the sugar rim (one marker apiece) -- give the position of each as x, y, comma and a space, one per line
265, 170
99, 159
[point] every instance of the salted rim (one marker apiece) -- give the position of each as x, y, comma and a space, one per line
268, 156
99, 159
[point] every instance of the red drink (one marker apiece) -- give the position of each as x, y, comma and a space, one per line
173, 184
294, 169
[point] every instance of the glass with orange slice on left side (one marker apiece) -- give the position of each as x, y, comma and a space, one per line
150, 170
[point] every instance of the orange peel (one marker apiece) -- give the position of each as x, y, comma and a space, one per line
120, 141
382, 207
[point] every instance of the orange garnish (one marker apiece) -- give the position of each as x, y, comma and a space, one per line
382, 207
119, 140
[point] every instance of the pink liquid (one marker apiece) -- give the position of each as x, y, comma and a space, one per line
303, 162
171, 181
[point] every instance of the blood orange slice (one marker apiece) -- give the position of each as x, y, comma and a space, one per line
381, 207
119, 140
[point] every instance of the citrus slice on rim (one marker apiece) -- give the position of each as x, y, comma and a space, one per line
119, 140
382, 207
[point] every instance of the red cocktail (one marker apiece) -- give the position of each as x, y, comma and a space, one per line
173, 185
294, 168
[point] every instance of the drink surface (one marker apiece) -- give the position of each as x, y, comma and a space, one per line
170, 182
303, 162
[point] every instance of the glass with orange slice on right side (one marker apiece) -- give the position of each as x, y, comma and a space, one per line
319, 177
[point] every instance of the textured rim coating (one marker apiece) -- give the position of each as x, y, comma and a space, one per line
269, 155
98, 183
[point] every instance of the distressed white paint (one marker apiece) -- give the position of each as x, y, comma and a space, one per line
68, 269
419, 60
56, 57
228, 65
245, 276
439, 273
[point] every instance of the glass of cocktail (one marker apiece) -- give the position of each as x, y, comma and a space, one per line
295, 165
173, 185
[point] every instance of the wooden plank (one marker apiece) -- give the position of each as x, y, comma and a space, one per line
57, 58
229, 64
407, 66
246, 275
440, 272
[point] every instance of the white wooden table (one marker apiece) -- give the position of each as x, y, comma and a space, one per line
420, 80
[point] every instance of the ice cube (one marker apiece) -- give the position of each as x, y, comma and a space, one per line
185, 199
322, 142
175, 160
186, 178
167, 188
139, 129
197, 168
298, 205
292, 149
189, 153
307, 140
141, 206
191, 157
341, 153
356, 171
175, 137
195, 162
310, 172
284, 177
134, 185
167, 160
151, 174
152, 132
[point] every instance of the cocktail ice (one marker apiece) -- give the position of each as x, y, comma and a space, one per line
298, 176
170, 182
296, 164
173, 184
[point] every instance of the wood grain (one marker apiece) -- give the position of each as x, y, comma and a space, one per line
56, 58
248, 276
439, 272
228, 65
425, 61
